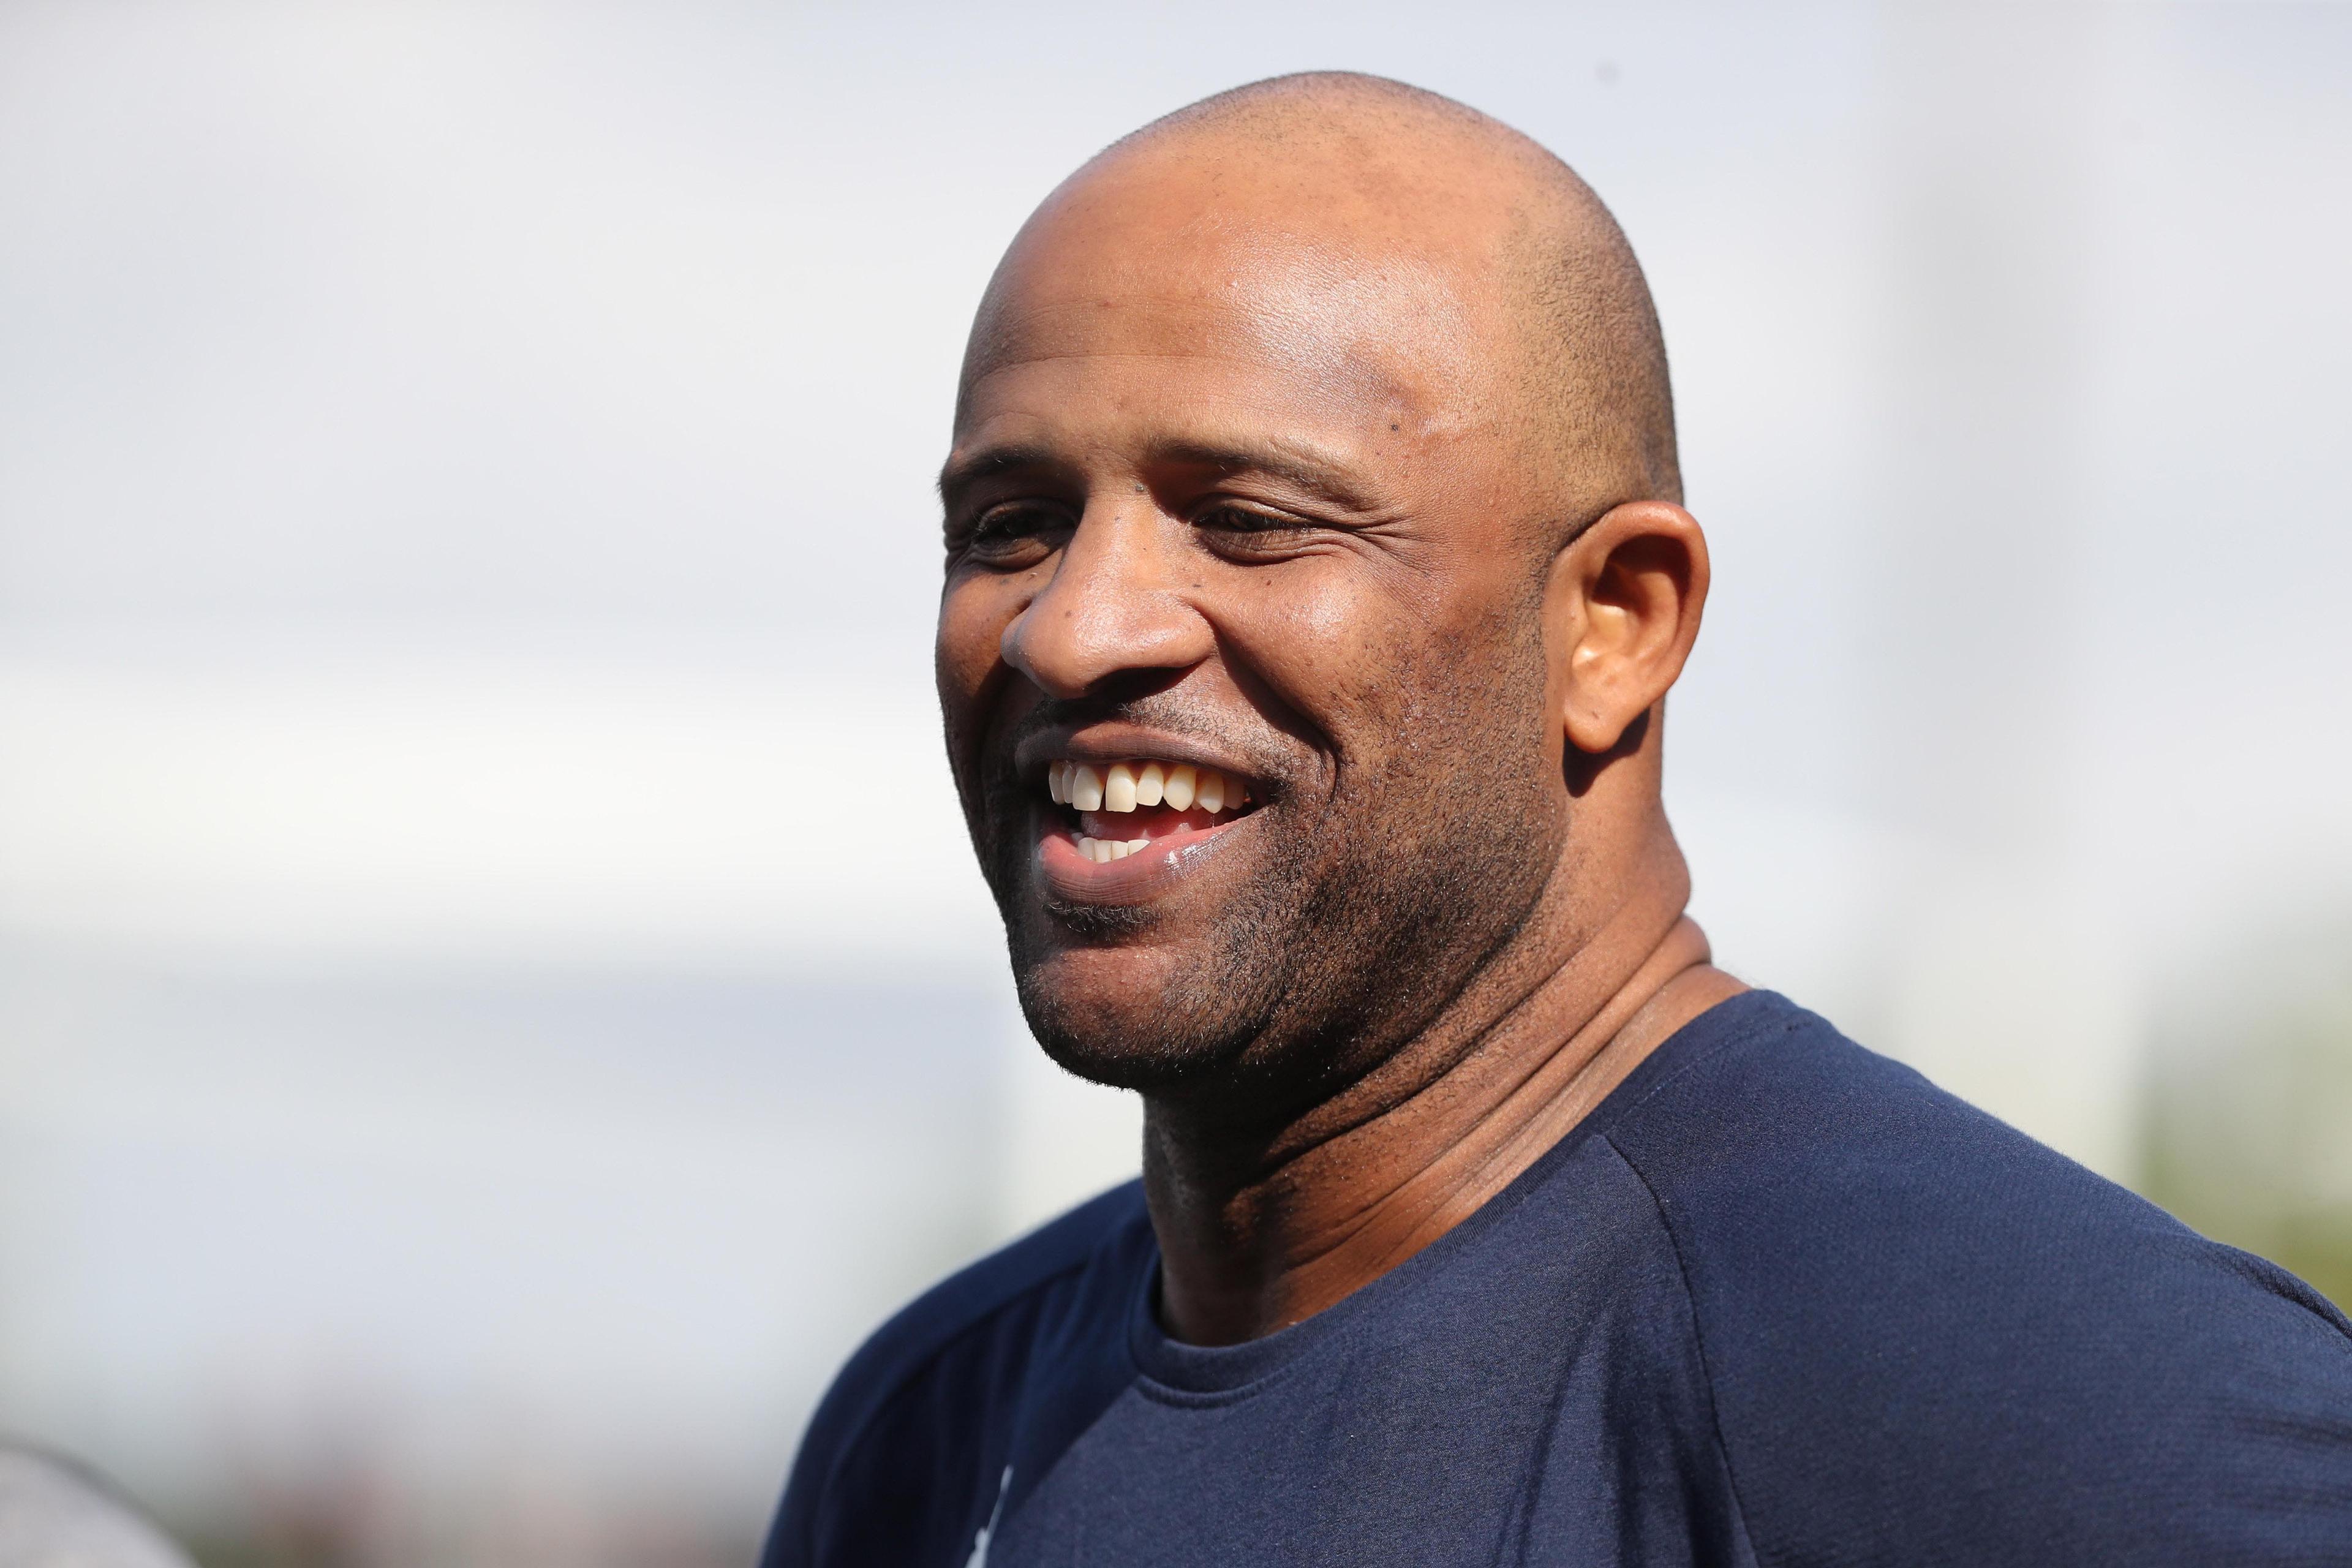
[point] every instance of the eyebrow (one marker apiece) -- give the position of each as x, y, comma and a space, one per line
990, 461
1316, 472
1310, 471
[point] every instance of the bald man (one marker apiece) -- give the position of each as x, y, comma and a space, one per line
1315, 576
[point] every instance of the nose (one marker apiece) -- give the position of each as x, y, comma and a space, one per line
1112, 607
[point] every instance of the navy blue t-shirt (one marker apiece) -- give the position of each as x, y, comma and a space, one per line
1775, 1300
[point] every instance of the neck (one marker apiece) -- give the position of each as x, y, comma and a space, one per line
1261, 1228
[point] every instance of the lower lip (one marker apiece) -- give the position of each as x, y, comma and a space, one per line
1133, 880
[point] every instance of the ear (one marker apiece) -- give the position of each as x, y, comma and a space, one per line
1620, 612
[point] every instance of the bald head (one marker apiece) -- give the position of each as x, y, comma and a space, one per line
1371, 196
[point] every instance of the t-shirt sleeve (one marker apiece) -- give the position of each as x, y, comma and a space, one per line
1932, 1340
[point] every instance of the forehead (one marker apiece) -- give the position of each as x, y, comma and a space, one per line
1147, 294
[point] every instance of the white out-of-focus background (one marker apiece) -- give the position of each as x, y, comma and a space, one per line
494, 999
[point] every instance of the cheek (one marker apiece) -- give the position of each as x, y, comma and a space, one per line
1327, 641
1390, 679
969, 671
974, 613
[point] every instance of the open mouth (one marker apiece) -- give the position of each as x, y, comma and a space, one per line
1116, 809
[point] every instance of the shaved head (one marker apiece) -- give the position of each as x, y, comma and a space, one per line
1369, 170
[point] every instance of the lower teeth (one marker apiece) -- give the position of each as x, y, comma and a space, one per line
1101, 850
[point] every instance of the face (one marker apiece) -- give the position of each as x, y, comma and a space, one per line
1240, 647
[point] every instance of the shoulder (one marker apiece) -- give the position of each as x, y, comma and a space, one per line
1921, 1326
915, 1414
969, 1300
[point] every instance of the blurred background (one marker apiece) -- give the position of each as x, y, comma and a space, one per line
494, 1000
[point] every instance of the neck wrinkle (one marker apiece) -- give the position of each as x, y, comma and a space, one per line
1243, 1256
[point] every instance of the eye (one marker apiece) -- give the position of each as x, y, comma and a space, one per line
1237, 529
1010, 536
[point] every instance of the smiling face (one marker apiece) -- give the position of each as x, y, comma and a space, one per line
1241, 648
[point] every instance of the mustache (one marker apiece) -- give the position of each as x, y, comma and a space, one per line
1166, 711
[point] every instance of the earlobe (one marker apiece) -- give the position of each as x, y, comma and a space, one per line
1626, 597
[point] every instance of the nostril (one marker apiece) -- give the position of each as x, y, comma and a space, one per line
1105, 625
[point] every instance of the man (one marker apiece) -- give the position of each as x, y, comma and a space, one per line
1315, 576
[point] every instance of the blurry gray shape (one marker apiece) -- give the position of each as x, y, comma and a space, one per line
52, 1516
2000, 982
485, 1231
2009, 990
1981, 350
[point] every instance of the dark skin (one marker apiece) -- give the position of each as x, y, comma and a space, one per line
1247, 472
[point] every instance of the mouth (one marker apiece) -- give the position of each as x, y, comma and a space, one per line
1098, 813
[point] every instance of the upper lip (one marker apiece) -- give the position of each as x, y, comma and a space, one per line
1101, 745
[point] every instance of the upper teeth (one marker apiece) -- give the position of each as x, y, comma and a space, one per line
1124, 786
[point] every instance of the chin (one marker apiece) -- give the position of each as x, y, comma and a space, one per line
1123, 1016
